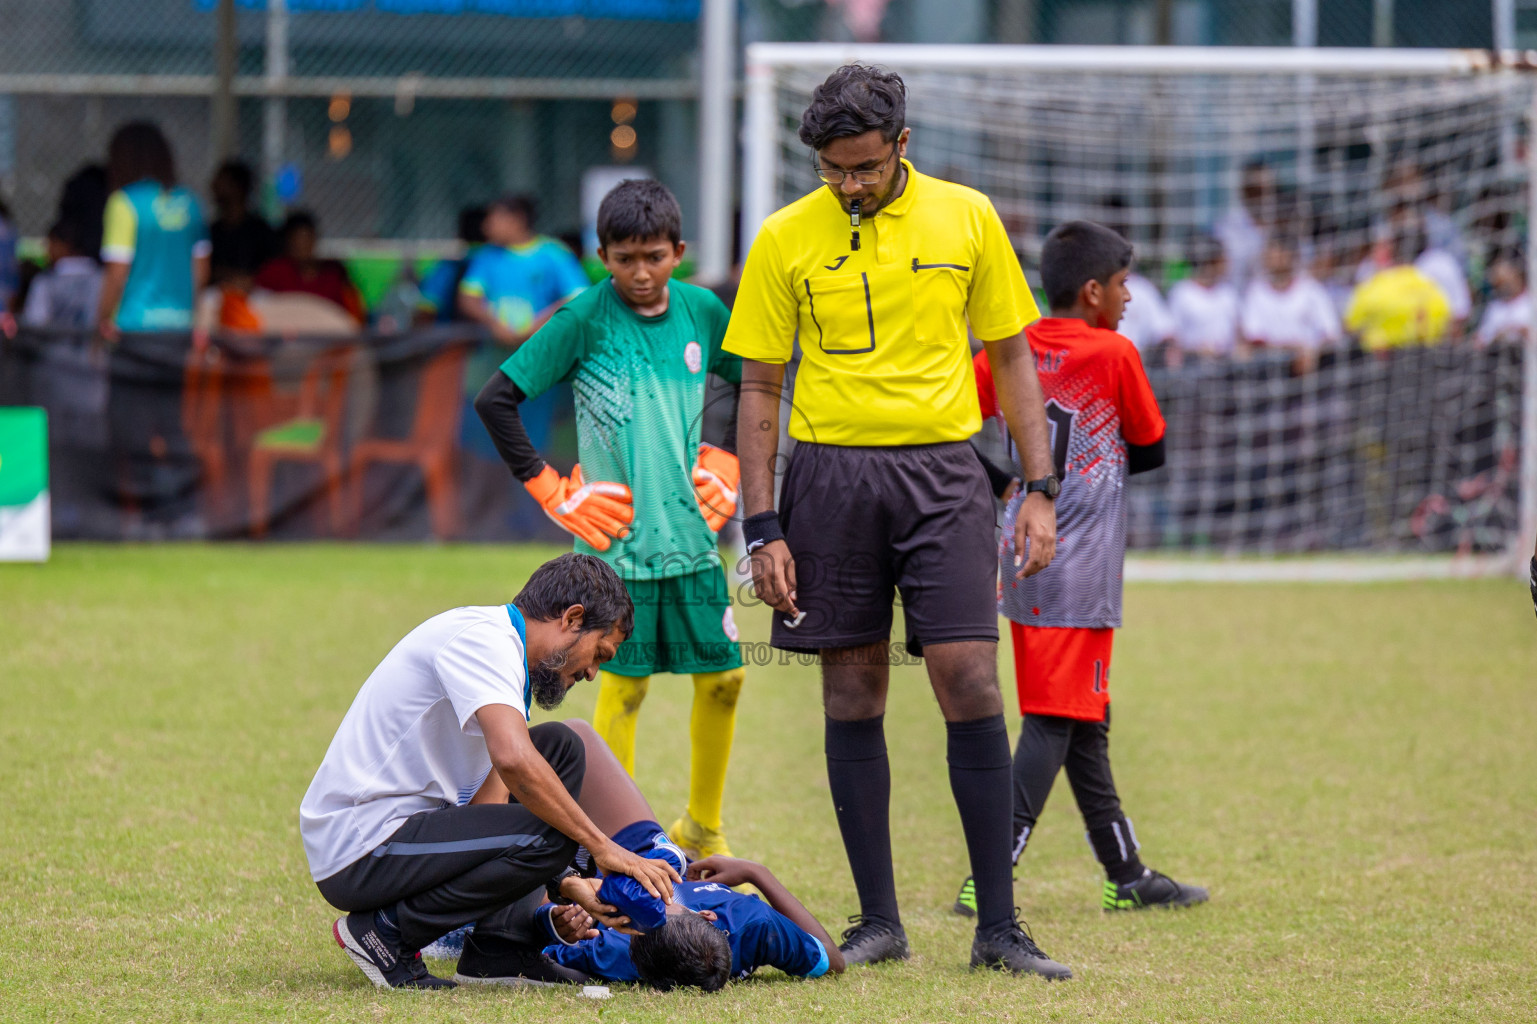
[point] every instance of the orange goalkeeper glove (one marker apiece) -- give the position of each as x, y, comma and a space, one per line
717, 476
595, 511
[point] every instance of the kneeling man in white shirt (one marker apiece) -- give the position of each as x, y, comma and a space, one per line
392, 835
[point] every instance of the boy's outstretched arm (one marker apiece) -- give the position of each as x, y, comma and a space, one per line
729, 871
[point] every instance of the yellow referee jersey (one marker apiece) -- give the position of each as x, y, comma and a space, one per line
1396, 307
885, 359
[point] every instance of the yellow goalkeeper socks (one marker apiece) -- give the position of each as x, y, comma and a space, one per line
711, 729
619, 700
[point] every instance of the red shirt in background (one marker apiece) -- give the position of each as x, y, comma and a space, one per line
326, 279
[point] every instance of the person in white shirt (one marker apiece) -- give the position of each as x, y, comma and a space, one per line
1447, 272
64, 296
391, 828
1283, 309
1147, 322
1204, 305
1508, 316
1242, 229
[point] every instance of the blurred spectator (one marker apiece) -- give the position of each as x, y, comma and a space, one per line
67, 294
1147, 321
512, 286
155, 248
440, 288
8, 268
1399, 305
1447, 272
242, 239
1508, 316
1243, 228
298, 269
83, 203
1284, 309
154, 242
1204, 305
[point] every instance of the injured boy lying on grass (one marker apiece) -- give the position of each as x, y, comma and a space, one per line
707, 936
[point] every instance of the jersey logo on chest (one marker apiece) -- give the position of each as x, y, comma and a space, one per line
693, 357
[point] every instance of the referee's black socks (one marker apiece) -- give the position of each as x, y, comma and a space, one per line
981, 779
859, 775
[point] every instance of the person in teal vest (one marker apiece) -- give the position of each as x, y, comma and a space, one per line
155, 253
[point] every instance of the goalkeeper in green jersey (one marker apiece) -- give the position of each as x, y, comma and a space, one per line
648, 496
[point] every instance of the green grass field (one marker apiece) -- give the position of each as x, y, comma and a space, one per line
1351, 769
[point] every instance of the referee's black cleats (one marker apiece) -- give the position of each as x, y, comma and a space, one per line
1153, 889
1011, 949
490, 960
873, 942
379, 959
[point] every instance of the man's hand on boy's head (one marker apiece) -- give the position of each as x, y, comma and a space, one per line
655, 876
727, 871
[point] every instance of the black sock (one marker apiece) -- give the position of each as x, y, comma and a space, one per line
859, 776
387, 923
1115, 844
980, 778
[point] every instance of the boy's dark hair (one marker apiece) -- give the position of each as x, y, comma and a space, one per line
1510, 255
853, 100
138, 151
472, 221
639, 208
298, 220
1076, 253
1204, 251
578, 579
71, 235
240, 175
517, 205
686, 952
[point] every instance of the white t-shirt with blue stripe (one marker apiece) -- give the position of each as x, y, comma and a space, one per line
411, 742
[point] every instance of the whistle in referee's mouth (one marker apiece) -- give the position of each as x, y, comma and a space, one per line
854, 223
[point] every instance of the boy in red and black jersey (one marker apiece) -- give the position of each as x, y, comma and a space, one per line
1105, 425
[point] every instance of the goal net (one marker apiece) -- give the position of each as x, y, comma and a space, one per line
1356, 162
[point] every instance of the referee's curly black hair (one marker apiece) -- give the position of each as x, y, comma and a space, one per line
853, 100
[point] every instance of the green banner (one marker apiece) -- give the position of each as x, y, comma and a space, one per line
23, 455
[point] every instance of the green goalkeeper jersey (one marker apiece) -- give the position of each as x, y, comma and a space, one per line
640, 394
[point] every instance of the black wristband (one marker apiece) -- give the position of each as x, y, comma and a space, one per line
552, 887
1534, 582
761, 529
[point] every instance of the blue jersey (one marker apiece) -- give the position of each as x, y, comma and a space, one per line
519, 284
158, 232
759, 935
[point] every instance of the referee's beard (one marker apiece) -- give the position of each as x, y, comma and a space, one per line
873, 202
546, 679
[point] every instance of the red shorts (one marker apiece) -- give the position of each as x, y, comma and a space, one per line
1062, 672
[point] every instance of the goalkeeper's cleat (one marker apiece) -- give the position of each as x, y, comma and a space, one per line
1153, 889
1011, 949
696, 841
873, 942
966, 900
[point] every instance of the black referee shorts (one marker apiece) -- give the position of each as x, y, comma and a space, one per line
862, 522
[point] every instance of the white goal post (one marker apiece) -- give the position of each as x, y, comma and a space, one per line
1417, 464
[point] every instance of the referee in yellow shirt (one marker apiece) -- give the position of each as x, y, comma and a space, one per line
879, 275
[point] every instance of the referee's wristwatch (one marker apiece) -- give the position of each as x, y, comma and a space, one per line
1048, 485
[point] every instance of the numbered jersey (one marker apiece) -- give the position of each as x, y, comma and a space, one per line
1098, 401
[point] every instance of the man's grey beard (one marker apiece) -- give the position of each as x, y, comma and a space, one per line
546, 681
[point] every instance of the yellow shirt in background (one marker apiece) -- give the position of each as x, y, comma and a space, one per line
883, 331
1396, 307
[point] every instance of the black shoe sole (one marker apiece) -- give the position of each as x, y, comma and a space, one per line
512, 982
1161, 905
963, 910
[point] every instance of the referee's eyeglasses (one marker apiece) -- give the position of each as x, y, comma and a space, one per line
836, 175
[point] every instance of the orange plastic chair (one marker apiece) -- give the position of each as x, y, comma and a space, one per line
202, 420
312, 436
430, 446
